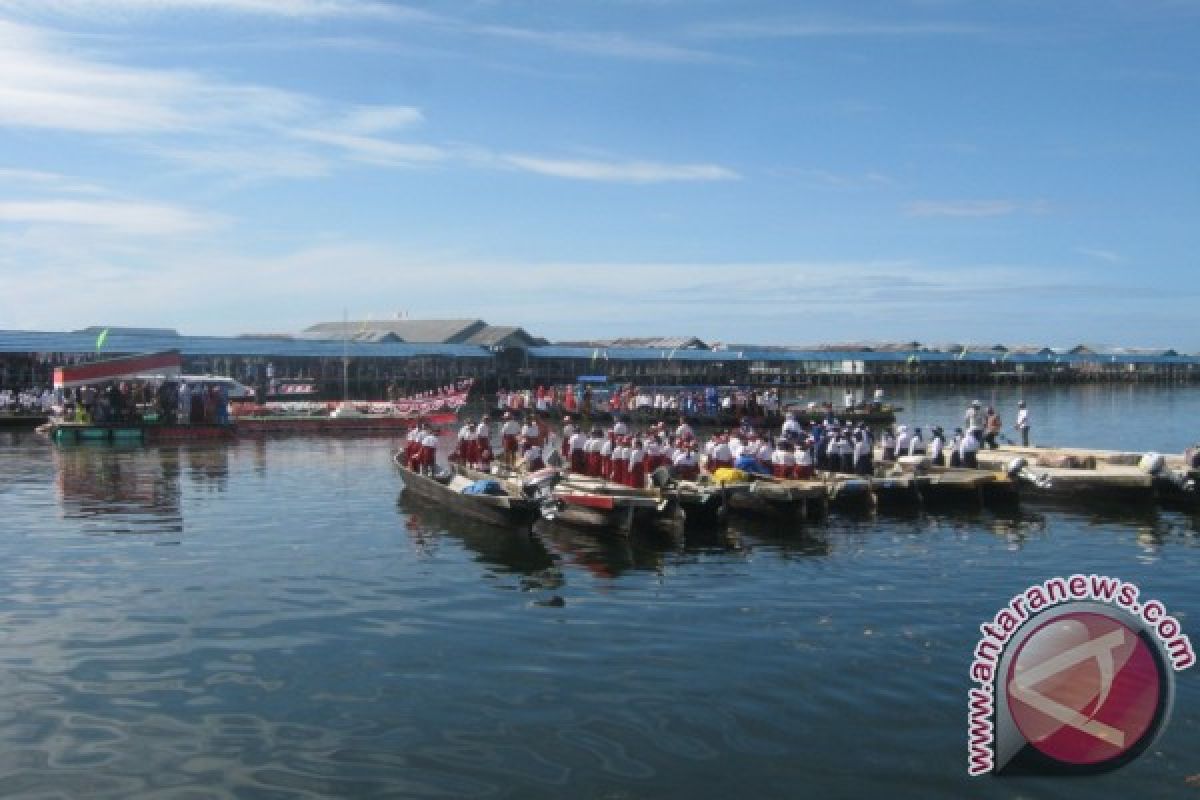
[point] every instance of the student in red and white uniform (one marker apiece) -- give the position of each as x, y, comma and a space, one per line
606, 451
412, 447
466, 435
483, 443
532, 460
568, 431
765, 454
722, 455
530, 435
620, 462
684, 431
594, 443
685, 466
621, 427
509, 431
653, 448
429, 443
804, 464
783, 461
577, 452
637, 466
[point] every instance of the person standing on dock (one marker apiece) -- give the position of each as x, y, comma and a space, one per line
994, 427
968, 450
1023, 423
936, 443
974, 420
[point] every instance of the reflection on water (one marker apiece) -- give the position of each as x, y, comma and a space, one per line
517, 551
315, 632
120, 489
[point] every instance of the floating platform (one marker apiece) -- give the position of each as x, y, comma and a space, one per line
71, 432
1080, 476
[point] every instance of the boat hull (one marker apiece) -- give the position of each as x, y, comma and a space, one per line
71, 432
501, 510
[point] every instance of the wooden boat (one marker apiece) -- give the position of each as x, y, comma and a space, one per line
508, 509
850, 493
953, 487
596, 504
703, 504
774, 498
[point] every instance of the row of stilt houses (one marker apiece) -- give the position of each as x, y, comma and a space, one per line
381, 358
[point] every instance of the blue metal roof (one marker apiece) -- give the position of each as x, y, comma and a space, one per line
870, 356
121, 343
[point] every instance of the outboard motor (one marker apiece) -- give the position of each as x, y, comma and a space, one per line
1018, 469
539, 486
1152, 463
661, 478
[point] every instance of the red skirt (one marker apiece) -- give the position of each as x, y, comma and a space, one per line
508, 442
637, 475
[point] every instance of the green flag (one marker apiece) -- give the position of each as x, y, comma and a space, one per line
101, 339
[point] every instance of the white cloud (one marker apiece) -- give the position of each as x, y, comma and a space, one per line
301, 9
795, 29
47, 181
1103, 255
962, 208
608, 44
143, 219
45, 85
619, 172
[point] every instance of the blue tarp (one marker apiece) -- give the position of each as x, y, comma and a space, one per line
750, 464
485, 486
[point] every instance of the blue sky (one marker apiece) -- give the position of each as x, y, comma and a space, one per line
776, 172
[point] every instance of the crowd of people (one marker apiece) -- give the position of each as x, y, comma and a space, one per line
27, 401
584, 399
627, 455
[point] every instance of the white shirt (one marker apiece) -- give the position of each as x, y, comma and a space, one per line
510, 428
429, 440
1022, 418
576, 442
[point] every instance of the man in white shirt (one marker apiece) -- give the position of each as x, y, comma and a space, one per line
1023, 423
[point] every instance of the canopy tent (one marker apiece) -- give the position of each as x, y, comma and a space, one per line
168, 363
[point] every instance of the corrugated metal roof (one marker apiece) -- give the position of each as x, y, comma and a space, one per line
122, 343
410, 330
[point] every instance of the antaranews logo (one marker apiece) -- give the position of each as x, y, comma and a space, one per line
1074, 676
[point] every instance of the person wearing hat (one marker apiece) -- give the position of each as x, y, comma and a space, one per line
974, 419
955, 448
1023, 423
936, 444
